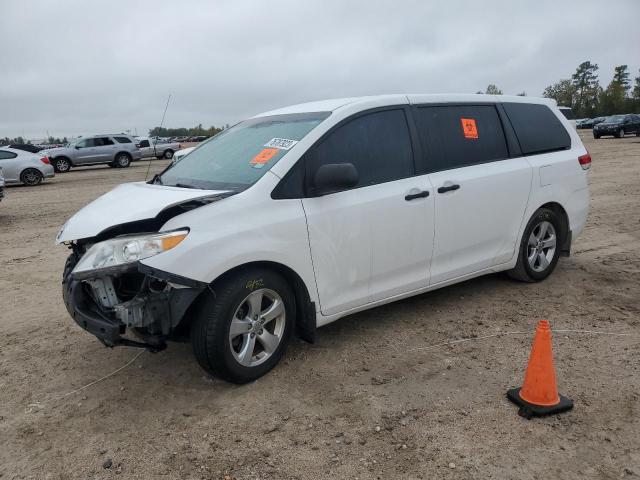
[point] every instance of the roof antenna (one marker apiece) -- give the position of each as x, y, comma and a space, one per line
154, 143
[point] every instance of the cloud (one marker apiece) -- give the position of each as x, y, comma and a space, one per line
82, 67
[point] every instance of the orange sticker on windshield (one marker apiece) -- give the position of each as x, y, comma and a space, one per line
264, 156
469, 127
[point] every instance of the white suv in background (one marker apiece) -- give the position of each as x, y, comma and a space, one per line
299, 216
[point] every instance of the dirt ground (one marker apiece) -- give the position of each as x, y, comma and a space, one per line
373, 398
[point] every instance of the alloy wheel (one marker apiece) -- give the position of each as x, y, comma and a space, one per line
257, 327
541, 246
123, 160
31, 177
62, 165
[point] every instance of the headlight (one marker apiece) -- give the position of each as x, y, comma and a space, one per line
119, 253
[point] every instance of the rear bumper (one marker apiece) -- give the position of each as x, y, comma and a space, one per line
578, 210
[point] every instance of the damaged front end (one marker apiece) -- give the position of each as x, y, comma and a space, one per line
110, 303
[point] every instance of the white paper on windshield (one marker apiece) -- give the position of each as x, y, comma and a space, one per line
281, 143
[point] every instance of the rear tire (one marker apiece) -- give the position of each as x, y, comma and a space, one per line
539, 247
31, 177
122, 160
168, 154
596, 136
61, 165
245, 299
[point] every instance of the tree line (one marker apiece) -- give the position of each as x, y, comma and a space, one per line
587, 98
22, 140
583, 93
185, 132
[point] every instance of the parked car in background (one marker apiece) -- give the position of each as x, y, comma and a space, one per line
114, 150
150, 147
297, 217
23, 167
590, 122
618, 126
568, 114
1, 184
180, 154
27, 147
198, 138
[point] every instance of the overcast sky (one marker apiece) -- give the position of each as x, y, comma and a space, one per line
82, 67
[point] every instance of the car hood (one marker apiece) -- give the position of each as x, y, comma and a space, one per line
126, 203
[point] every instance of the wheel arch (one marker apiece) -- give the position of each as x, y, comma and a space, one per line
119, 152
305, 326
565, 234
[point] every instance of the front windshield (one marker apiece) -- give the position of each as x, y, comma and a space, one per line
614, 119
238, 157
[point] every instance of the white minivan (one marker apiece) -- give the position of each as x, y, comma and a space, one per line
299, 216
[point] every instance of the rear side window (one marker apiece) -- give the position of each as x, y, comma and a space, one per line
4, 155
537, 128
122, 139
378, 144
460, 135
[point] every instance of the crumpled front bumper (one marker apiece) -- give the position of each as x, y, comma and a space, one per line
86, 313
161, 311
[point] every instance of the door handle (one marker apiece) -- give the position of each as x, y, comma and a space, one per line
413, 196
448, 188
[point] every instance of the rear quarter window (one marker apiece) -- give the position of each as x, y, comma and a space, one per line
4, 155
537, 128
122, 139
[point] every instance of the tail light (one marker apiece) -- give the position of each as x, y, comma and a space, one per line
45, 160
585, 161
179, 146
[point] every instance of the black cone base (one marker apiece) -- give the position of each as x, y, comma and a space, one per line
528, 410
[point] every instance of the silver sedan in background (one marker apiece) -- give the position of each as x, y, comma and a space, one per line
23, 167
1, 185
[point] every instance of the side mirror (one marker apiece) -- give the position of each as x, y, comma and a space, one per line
334, 177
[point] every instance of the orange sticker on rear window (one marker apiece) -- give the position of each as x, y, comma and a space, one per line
264, 156
469, 128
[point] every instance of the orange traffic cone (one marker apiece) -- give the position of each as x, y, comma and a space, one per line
539, 393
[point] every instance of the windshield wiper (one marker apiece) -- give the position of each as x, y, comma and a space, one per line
185, 185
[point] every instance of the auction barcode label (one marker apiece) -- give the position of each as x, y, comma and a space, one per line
281, 143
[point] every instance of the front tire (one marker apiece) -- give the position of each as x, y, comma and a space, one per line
539, 247
31, 177
61, 165
243, 332
620, 133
